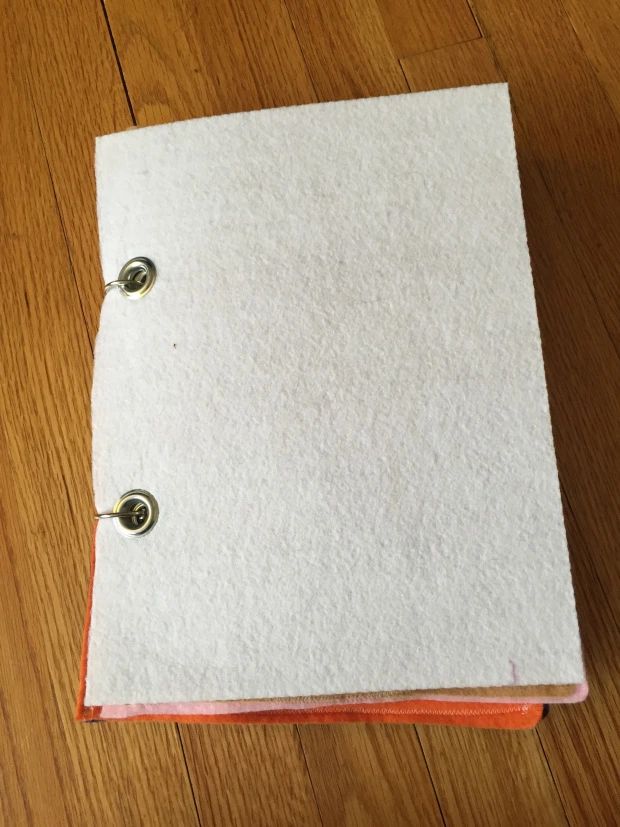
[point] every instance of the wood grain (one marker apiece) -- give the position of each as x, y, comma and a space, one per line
366, 775
583, 376
597, 25
571, 129
484, 778
346, 48
416, 26
61, 85
250, 775
183, 60
87, 100
463, 64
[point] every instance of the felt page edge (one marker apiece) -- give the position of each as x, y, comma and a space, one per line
110, 137
508, 713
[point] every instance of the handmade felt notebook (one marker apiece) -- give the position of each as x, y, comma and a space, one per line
322, 452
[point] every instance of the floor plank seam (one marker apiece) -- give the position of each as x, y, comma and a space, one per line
551, 773
119, 65
430, 775
188, 774
399, 62
474, 18
477, 18
303, 752
443, 47
301, 51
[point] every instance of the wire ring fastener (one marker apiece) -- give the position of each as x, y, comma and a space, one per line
136, 278
135, 513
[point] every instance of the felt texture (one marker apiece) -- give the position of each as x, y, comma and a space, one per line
519, 711
336, 392
455, 712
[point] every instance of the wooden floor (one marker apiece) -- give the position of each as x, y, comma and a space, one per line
70, 71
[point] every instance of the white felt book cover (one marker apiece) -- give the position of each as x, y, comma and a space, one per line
335, 391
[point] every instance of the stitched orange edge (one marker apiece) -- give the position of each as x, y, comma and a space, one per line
525, 718
494, 716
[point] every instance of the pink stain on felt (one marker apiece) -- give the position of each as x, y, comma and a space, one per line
513, 670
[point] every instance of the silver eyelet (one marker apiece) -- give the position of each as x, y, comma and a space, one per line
135, 513
136, 278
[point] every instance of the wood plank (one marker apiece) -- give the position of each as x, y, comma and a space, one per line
486, 777
30, 784
597, 24
415, 26
185, 60
346, 49
86, 99
250, 775
59, 773
585, 394
572, 131
464, 64
366, 775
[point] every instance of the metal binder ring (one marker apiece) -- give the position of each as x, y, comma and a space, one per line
135, 513
136, 278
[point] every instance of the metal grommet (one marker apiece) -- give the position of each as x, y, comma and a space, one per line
135, 279
135, 513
